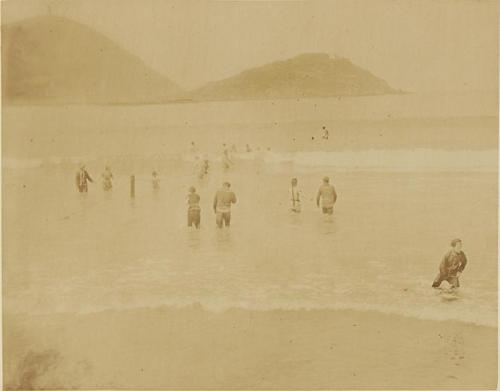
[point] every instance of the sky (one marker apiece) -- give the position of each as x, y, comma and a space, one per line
415, 45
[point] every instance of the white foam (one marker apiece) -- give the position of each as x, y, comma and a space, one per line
475, 316
392, 160
369, 160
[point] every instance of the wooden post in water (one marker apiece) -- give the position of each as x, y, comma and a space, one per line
132, 186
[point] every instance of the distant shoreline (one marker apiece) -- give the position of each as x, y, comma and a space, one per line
194, 100
187, 100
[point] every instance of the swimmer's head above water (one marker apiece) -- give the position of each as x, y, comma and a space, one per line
456, 244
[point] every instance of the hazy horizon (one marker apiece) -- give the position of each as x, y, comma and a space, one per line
443, 47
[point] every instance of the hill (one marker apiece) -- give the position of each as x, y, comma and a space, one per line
307, 75
55, 60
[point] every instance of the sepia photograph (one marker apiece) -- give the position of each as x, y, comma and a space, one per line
249, 194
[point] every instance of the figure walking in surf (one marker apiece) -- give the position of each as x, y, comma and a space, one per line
326, 134
227, 162
107, 179
452, 265
155, 181
82, 179
222, 205
194, 210
327, 195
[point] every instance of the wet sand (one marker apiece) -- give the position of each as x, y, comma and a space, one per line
190, 348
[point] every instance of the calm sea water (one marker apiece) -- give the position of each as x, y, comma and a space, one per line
464, 121
396, 213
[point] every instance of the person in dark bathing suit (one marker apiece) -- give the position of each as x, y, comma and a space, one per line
82, 179
452, 265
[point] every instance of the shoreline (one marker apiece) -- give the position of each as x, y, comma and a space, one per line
419, 160
189, 347
214, 309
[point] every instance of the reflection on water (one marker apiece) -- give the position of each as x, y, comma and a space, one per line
223, 239
193, 239
449, 295
328, 225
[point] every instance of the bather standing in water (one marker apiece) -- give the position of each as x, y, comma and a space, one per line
203, 169
222, 205
194, 210
82, 179
327, 195
452, 265
227, 162
155, 181
107, 179
326, 134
